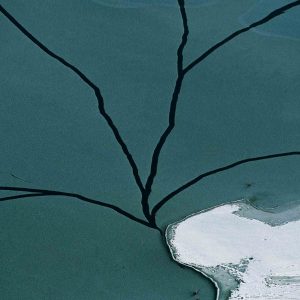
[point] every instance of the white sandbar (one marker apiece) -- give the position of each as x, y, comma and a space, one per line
246, 258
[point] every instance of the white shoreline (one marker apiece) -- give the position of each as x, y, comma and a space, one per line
170, 231
188, 265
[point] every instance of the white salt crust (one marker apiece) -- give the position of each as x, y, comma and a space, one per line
253, 259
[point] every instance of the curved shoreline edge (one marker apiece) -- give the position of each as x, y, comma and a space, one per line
169, 228
241, 204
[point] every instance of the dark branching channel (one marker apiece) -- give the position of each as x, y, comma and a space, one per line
145, 189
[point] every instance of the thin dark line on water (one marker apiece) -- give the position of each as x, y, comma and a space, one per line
19, 178
92, 85
172, 114
184, 71
180, 77
193, 181
42, 193
181, 72
277, 12
7, 198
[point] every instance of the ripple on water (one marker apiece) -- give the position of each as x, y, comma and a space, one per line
285, 26
143, 3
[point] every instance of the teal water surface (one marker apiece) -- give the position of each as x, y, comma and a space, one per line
241, 102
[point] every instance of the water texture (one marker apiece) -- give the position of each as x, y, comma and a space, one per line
287, 26
241, 102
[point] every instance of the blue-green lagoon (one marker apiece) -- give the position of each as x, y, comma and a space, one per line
240, 102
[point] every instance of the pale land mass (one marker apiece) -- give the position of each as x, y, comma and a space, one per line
248, 253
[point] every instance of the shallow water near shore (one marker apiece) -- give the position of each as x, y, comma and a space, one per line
241, 102
247, 252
